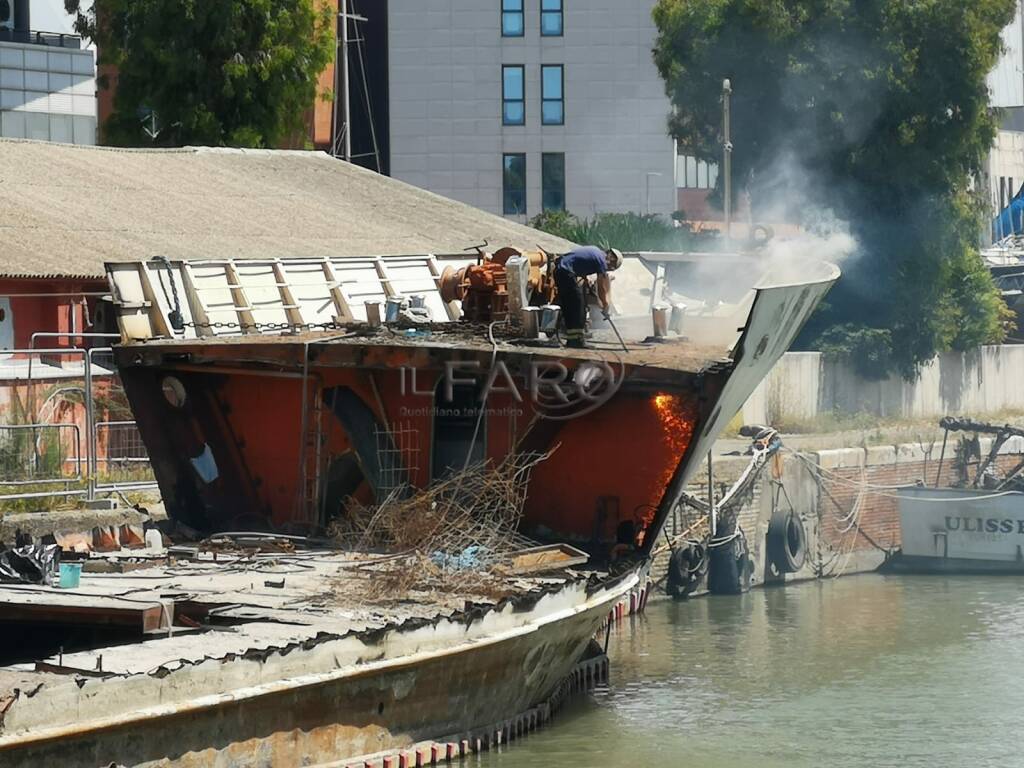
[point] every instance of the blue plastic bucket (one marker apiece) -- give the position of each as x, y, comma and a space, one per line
70, 575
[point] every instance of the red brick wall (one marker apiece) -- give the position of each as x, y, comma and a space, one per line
878, 519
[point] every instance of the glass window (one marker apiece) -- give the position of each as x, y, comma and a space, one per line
552, 107
512, 18
513, 184
513, 99
692, 173
702, 175
552, 175
551, 18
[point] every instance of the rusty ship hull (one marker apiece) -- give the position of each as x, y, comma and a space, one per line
268, 400
250, 428
326, 697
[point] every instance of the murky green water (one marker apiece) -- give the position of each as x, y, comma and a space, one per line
862, 671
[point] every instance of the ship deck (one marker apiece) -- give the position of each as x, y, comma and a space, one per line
352, 347
293, 652
215, 607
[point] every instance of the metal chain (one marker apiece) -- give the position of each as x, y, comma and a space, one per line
266, 326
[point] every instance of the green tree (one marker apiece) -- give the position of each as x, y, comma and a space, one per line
210, 72
625, 231
877, 109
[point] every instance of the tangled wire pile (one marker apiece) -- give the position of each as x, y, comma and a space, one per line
457, 535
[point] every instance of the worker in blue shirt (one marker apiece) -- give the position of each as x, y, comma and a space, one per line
571, 273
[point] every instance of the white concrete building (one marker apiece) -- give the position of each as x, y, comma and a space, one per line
519, 105
47, 81
1005, 169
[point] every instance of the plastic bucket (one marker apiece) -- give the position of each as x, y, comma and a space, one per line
70, 575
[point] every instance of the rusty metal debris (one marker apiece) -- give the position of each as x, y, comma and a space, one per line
986, 473
459, 533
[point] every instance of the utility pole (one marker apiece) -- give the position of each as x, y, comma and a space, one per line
342, 87
726, 154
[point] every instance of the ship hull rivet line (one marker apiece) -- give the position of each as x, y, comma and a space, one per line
586, 676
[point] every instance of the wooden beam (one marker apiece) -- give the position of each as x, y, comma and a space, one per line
243, 307
340, 302
82, 610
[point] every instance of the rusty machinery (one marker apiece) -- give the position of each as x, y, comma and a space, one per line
483, 288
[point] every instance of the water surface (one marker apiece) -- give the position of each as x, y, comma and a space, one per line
860, 671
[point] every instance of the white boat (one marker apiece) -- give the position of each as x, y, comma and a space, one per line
960, 530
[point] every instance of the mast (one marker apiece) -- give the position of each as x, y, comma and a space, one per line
726, 154
342, 129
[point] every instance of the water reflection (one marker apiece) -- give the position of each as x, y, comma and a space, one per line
862, 671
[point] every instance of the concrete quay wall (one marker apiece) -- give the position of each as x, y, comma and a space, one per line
846, 499
804, 385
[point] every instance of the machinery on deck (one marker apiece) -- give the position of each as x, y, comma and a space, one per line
500, 283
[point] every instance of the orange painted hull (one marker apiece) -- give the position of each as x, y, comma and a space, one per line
273, 468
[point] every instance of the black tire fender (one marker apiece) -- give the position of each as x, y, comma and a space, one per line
786, 542
686, 567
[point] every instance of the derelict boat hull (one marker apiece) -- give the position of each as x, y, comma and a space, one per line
277, 429
329, 701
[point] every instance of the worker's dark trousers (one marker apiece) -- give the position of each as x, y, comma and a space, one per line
570, 299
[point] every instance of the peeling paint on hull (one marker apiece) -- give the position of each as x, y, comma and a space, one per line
334, 715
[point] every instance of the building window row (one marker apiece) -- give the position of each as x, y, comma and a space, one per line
692, 173
513, 182
552, 94
513, 24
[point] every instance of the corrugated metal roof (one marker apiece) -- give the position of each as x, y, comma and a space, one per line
65, 210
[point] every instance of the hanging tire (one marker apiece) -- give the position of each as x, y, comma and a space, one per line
686, 568
729, 564
786, 542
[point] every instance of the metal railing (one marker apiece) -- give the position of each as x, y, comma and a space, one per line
128, 457
125, 454
36, 454
33, 37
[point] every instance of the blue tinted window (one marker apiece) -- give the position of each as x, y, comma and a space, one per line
512, 18
552, 99
513, 184
551, 18
513, 100
552, 181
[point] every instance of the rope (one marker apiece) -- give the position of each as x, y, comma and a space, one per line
483, 405
885, 490
681, 537
721, 541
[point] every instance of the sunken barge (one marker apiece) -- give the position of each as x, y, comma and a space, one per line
277, 396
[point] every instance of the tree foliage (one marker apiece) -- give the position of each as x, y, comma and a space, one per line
625, 231
877, 109
210, 72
